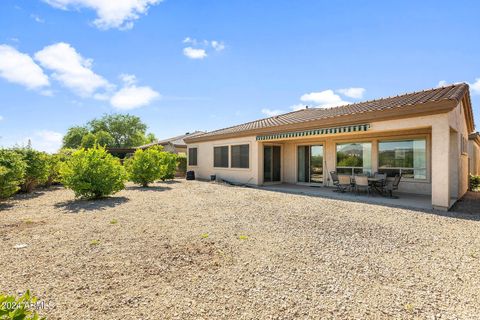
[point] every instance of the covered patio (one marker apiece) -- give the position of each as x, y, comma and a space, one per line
402, 200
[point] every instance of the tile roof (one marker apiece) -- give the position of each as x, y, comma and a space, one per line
177, 141
452, 92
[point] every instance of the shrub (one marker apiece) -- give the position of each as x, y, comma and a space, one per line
182, 163
145, 166
37, 169
54, 162
474, 182
13, 308
88, 141
168, 165
93, 173
12, 170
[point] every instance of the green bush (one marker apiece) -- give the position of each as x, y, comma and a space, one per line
37, 169
12, 171
54, 163
145, 166
13, 308
168, 165
182, 163
88, 141
474, 182
93, 173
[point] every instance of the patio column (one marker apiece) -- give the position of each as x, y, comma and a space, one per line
441, 164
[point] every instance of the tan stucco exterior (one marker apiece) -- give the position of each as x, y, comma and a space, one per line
474, 157
447, 165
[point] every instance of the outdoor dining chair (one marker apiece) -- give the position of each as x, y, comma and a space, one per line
361, 182
340, 182
390, 187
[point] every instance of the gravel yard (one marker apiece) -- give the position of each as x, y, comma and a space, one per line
197, 250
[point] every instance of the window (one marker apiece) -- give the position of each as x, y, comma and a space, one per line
405, 157
240, 156
192, 156
354, 158
220, 157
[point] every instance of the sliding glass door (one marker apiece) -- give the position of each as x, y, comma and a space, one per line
310, 164
271, 164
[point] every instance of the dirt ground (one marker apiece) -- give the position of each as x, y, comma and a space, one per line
198, 250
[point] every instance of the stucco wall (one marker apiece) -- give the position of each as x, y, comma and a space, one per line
474, 155
205, 167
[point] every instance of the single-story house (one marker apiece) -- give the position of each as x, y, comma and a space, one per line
421, 135
474, 153
175, 144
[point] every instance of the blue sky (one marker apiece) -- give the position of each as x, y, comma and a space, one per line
185, 65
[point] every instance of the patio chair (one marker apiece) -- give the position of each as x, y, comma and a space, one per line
383, 183
361, 182
339, 182
390, 187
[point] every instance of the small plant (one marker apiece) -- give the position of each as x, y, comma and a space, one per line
53, 170
182, 164
95, 242
113, 221
12, 171
93, 173
13, 308
145, 166
474, 182
409, 307
204, 235
243, 237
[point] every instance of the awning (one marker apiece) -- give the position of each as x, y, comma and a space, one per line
315, 132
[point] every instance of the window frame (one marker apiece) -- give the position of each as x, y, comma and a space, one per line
228, 157
426, 160
365, 170
196, 156
240, 145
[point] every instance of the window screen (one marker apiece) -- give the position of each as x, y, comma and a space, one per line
192, 156
220, 157
240, 156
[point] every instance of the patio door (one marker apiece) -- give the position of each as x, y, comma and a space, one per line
271, 164
310, 164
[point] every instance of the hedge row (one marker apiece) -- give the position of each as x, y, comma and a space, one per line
90, 173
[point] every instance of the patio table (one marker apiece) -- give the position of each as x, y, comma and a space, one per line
375, 184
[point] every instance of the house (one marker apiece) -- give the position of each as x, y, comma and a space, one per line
175, 144
421, 135
474, 154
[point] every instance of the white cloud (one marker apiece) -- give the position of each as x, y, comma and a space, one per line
37, 18
71, 69
194, 53
131, 96
355, 93
324, 99
297, 107
48, 141
20, 68
442, 83
118, 14
475, 87
218, 46
271, 113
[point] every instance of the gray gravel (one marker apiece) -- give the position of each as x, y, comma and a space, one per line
197, 250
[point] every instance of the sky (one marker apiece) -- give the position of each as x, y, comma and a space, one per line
186, 65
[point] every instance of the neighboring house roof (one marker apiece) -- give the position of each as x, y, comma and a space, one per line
177, 141
474, 137
417, 103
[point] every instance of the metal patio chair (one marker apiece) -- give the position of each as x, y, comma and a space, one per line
339, 182
361, 182
390, 187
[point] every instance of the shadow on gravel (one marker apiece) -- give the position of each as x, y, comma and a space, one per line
75, 206
169, 181
151, 188
5, 206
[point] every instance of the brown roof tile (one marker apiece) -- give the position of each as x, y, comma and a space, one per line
452, 92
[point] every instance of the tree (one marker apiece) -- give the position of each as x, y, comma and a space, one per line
145, 166
93, 173
74, 136
126, 130
104, 139
12, 170
150, 138
88, 141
